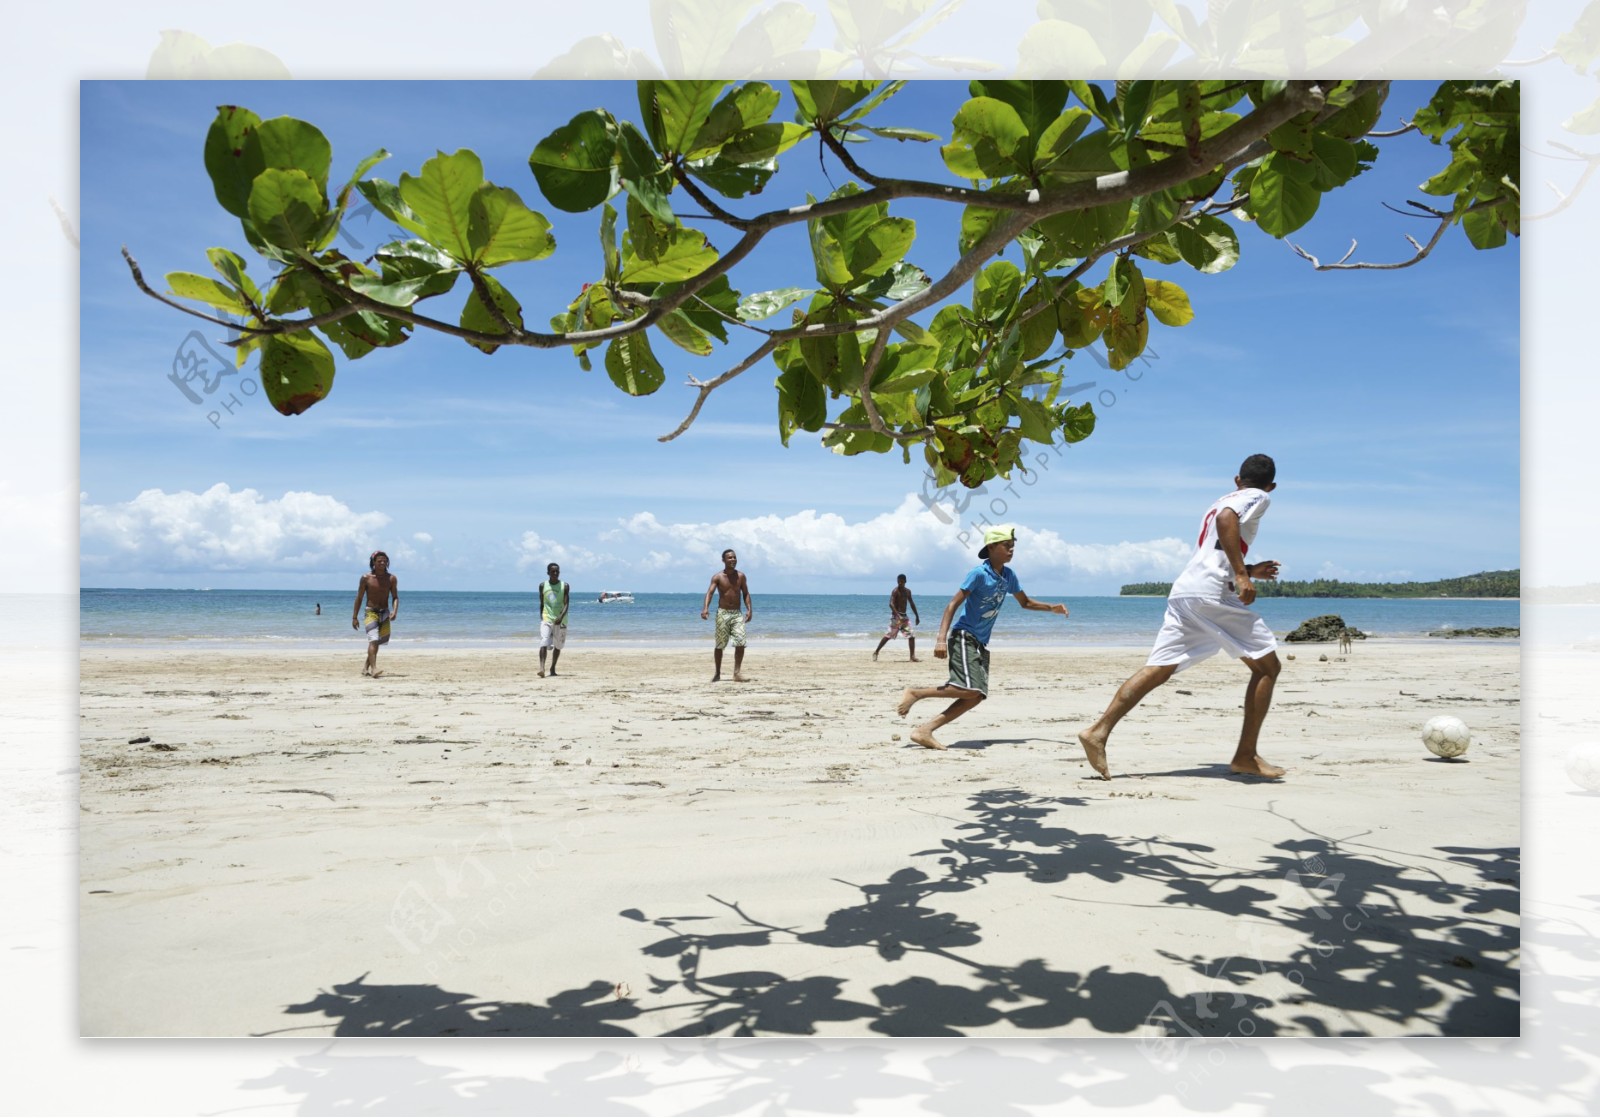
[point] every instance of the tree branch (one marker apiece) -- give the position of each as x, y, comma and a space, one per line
1445, 220
707, 387
266, 329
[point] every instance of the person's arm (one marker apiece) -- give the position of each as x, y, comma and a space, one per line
705, 608
944, 623
394, 590
1028, 603
1233, 548
355, 610
749, 604
912, 602
566, 602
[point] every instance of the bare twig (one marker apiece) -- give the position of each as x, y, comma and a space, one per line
1408, 127
1444, 218
870, 366
280, 326
707, 387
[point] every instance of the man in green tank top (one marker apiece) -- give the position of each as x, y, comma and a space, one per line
554, 597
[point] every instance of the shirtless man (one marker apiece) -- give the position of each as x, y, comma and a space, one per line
899, 600
377, 588
729, 585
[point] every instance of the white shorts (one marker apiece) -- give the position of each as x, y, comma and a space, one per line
1196, 629
552, 635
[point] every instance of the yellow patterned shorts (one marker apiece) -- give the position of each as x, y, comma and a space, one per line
730, 627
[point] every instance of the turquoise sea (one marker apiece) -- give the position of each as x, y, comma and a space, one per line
466, 619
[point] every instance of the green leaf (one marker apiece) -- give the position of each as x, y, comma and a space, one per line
986, 137
286, 208
685, 334
995, 291
1115, 288
608, 244
765, 304
232, 171
643, 175
1484, 228
204, 289
802, 403
1335, 161
1039, 331
231, 267
682, 108
1280, 201
475, 315
385, 198
763, 143
1207, 243
904, 367
828, 100
1090, 157
881, 246
290, 144
834, 359
1037, 103
1357, 118
682, 254
500, 229
733, 180
1080, 317
1168, 302
441, 197
576, 165
744, 107
1059, 136
1077, 423
1081, 232
632, 366
1036, 420
296, 370
903, 134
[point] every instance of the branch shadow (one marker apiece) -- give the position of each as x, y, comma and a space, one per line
1336, 931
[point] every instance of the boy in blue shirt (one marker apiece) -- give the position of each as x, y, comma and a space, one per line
979, 599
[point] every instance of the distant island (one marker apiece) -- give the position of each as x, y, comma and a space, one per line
1484, 584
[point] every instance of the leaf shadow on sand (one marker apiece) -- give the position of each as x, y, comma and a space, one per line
1343, 928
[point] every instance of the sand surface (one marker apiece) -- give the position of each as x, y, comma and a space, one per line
462, 848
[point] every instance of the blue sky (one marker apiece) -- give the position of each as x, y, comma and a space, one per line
1390, 399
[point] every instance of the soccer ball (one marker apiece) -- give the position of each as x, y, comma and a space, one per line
1583, 766
1445, 735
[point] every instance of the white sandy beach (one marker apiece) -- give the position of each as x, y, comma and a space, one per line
463, 848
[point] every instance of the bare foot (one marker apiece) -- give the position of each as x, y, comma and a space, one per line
925, 739
552, 671
737, 678
541, 673
916, 659
376, 674
1257, 767
874, 657
1094, 748
907, 701
716, 677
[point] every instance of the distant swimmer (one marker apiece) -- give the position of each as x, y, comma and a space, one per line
730, 587
1207, 613
979, 599
900, 600
319, 609
379, 588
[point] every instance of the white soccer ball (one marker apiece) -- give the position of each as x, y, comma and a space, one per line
1583, 766
1445, 735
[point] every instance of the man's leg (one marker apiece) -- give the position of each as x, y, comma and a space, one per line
555, 658
965, 700
716, 659
738, 662
912, 642
1257, 700
1133, 689
542, 651
372, 658
879, 649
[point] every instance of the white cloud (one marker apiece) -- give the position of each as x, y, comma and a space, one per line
911, 537
533, 550
422, 537
220, 530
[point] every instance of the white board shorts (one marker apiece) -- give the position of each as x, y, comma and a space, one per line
552, 635
1196, 629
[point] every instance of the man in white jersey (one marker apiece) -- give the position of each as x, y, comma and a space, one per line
1207, 613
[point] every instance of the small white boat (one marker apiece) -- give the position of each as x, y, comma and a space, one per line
615, 597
